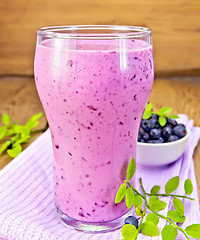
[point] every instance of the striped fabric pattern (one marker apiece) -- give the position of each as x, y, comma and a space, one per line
27, 209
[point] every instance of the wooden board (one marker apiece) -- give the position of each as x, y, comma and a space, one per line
18, 97
175, 25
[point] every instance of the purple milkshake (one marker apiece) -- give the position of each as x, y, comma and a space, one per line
93, 93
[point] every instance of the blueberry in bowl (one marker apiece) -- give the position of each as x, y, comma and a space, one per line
166, 138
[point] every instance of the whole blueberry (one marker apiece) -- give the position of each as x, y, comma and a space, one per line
169, 125
155, 116
131, 220
157, 125
145, 136
142, 140
141, 131
140, 134
179, 130
173, 122
172, 138
153, 122
145, 124
155, 133
166, 132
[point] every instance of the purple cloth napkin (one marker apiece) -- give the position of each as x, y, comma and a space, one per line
26, 193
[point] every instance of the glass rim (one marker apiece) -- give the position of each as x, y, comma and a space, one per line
118, 32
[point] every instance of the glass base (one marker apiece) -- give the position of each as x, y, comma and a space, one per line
93, 227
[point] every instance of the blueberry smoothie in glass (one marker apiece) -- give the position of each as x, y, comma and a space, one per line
94, 83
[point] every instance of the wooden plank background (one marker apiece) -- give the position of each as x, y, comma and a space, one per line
175, 25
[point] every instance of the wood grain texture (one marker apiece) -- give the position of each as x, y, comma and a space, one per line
175, 25
18, 97
183, 95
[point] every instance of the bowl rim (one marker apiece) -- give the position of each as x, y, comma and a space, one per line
167, 143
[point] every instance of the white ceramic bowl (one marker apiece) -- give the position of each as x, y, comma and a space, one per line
158, 154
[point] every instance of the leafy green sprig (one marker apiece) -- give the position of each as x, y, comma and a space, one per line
162, 113
144, 200
14, 134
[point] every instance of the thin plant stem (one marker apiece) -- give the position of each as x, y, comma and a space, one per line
169, 195
135, 190
143, 214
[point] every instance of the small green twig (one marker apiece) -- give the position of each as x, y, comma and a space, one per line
14, 134
167, 219
160, 215
155, 205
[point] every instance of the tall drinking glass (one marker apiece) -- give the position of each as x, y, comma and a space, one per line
93, 82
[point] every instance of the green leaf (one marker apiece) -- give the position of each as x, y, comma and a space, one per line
14, 151
175, 216
137, 200
155, 189
131, 169
25, 135
188, 186
148, 111
35, 117
129, 198
172, 185
138, 211
149, 107
5, 119
15, 138
120, 193
2, 132
169, 233
151, 217
146, 115
10, 132
179, 206
23, 139
5, 146
129, 232
173, 116
31, 125
156, 204
149, 229
162, 121
21, 129
164, 110
193, 231
32, 122
153, 199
